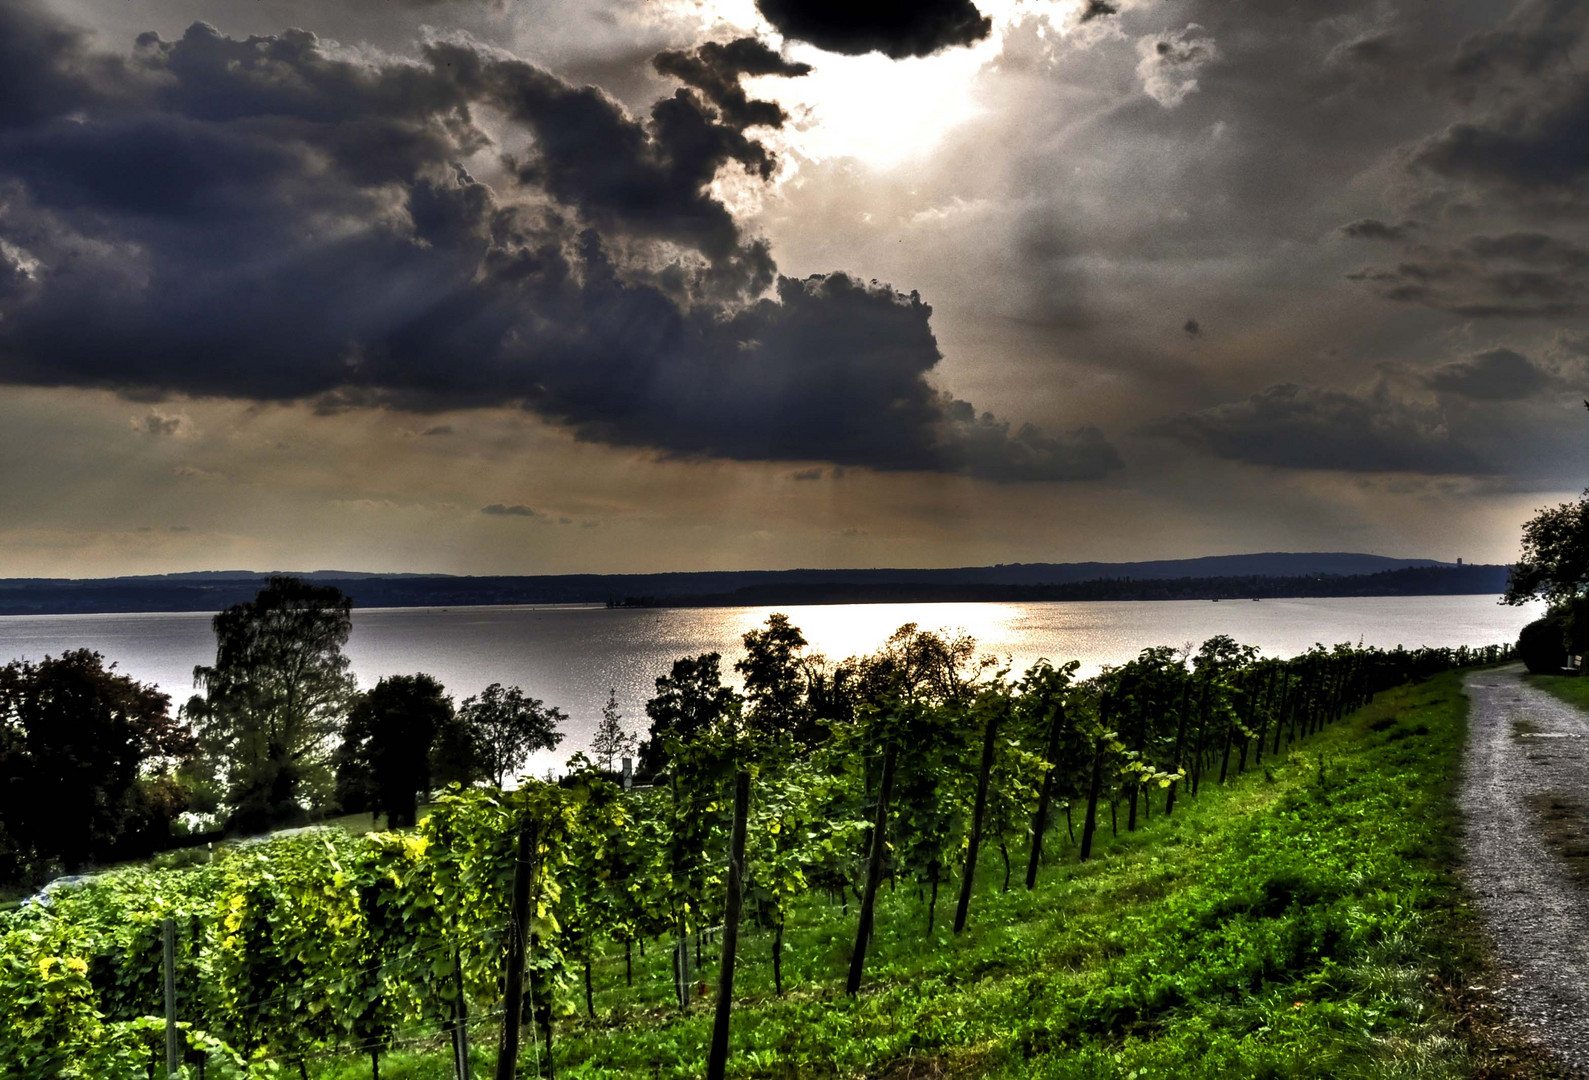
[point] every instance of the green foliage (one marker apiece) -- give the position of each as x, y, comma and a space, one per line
324, 943
1555, 561
1541, 645
385, 758
275, 699
506, 726
87, 758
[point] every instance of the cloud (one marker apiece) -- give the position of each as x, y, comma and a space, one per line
278, 219
894, 29
516, 510
1374, 229
1493, 375
1304, 427
436, 430
1168, 64
1098, 9
158, 422
193, 472
806, 475
1512, 275
715, 69
1526, 136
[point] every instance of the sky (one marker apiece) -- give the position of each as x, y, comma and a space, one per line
500, 286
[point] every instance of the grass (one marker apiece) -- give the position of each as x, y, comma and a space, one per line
1302, 921
1573, 689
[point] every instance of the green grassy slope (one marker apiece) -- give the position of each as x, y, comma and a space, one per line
1302, 921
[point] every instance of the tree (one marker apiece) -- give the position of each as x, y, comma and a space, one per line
507, 727
1555, 568
775, 683
385, 758
1555, 562
691, 699
612, 739
87, 758
455, 754
276, 697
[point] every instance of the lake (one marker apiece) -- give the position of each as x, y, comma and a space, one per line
570, 655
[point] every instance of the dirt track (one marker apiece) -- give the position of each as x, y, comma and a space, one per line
1525, 801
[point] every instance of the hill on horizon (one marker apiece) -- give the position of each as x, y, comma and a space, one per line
212, 590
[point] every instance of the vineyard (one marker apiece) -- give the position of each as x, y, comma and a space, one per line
937, 785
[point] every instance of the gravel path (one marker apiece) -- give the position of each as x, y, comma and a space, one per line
1524, 744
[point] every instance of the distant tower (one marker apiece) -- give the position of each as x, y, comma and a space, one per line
1459, 560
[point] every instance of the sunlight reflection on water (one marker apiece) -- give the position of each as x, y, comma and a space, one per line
570, 656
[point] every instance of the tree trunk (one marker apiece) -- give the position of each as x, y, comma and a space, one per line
1202, 739
932, 908
375, 1065
590, 1001
717, 1061
1070, 826
628, 962
1004, 852
979, 808
874, 875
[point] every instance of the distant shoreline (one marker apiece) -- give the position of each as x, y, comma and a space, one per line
1002, 584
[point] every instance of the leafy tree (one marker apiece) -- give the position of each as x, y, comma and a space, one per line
612, 740
385, 758
1555, 562
507, 727
776, 683
86, 763
275, 698
456, 756
691, 699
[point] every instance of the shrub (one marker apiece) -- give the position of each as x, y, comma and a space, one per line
1542, 646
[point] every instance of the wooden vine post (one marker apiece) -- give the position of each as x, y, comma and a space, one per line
1095, 788
874, 874
979, 810
717, 1060
1045, 796
518, 936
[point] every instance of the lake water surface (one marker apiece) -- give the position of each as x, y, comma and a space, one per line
569, 656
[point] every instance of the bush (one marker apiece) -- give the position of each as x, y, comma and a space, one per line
1542, 646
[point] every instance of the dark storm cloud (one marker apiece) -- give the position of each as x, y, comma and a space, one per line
894, 29
274, 219
1499, 374
1374, 229
1525, 137
1306, 427
516, 510
716, 68
1512, 275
